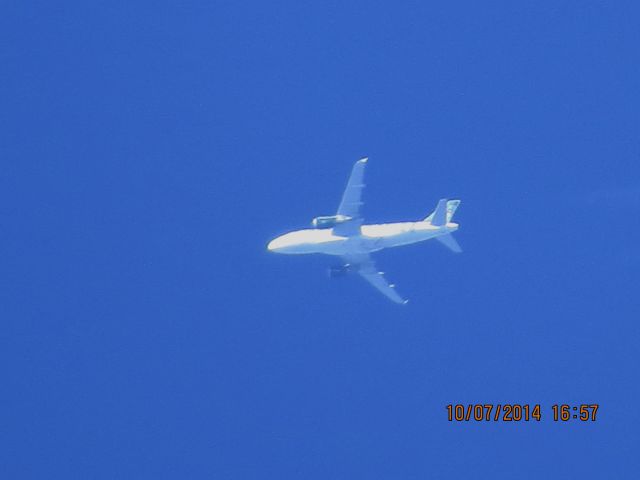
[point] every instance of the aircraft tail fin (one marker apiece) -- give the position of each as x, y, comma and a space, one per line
450, 242
443, 213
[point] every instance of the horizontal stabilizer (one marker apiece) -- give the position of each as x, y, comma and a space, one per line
449, 242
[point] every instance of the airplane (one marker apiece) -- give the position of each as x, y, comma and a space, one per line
345, 235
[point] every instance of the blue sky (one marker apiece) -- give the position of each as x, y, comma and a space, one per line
150, 150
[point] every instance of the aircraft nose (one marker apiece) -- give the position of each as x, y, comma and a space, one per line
273, 245
281, 244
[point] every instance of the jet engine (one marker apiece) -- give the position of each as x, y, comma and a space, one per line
329, 221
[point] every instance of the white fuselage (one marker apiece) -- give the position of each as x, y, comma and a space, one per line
371, 238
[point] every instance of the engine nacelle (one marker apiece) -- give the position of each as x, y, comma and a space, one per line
329, 221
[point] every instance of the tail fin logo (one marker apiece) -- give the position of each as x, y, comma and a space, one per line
452, 205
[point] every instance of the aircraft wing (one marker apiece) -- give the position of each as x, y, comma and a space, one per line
352, 201
364, 265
